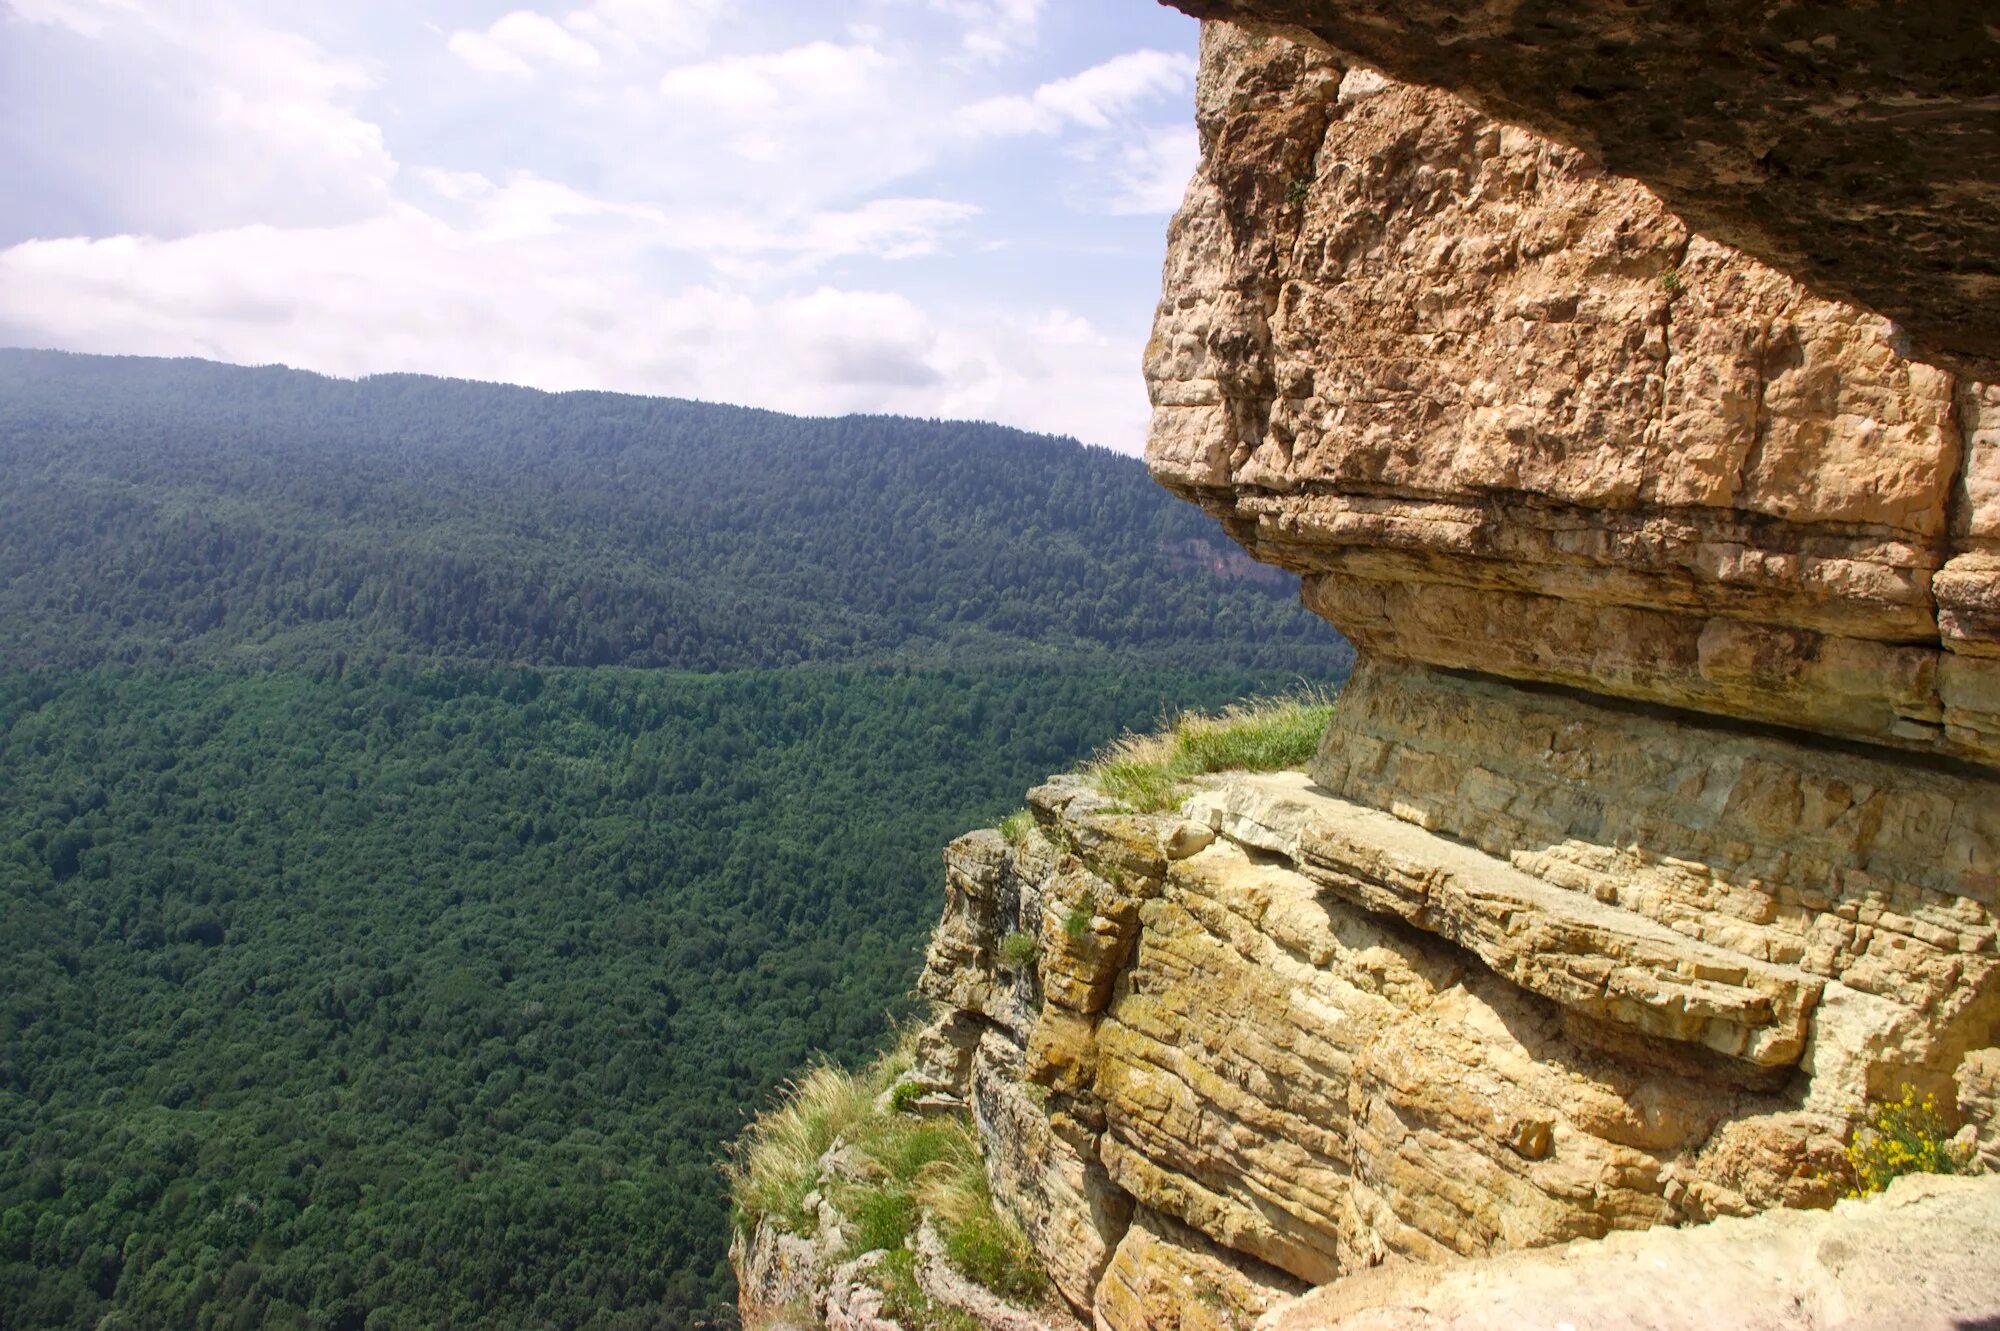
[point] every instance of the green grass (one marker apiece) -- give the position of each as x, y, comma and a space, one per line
1149, 773
776, 1161
979, 1241
912, 1168
1019, 951
1014, 828
1077, 923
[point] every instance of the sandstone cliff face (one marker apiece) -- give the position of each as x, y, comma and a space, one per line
1658, 828
1506, 413
1277, 1038
1849, 143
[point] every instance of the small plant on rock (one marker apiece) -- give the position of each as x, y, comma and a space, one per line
903, 1096
1906, 1135
1014, 828
1019, 951
1077, 923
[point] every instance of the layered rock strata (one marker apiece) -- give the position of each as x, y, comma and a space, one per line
1853, 144
1658, 829
1279, 1037
1504, 412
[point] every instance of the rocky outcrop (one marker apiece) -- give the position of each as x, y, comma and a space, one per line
1656, 833
1918, 1258
1504, 412
1851, 145
1279, 1036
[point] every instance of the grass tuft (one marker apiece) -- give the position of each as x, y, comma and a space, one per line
1149, 773
776, 1162
1077, 922
1014, 828
980, 1242
911, 1168
1019, 951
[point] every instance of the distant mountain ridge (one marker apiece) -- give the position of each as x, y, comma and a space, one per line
184, 512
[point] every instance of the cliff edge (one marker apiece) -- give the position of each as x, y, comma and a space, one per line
1657, 834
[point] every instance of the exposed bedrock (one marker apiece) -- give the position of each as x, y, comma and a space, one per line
1505, 412
1281, 1036
1853, 145
1659, 828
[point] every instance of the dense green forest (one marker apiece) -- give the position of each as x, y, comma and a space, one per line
433, 997
183, 512
434, 816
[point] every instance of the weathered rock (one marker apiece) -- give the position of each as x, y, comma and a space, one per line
1918, 1258
855, 1301
1504, 412
985, 901
1849, 866
1045, 1174
1586, 954
942, 1065
1658, 828
1336, 1036
1851, 146
946, 1287
1167, 1277
780, 1278
1979, 1104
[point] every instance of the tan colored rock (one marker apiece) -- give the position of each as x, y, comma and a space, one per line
1505, 413
1167, 1277
855, 1301
1567, 946
1659, 825
780, 1278
1918, 1258
1045, 1174
986, 899
1312, 1088
1835, 864
1848, 145
1491, 1017
1978, 1088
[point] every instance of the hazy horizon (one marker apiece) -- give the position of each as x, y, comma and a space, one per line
942, 208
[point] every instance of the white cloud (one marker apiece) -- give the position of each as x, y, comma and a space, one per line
518, 42
1090, 99
994, 29
1152, 171
195, 115
675, 27
406, 291
620, 205
801, 81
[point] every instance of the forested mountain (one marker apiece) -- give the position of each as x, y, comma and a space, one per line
382, 948
185, 512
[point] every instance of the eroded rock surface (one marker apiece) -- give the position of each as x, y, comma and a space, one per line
1854, 145
1657, 831
1918, 1258
1505, 412
1282, 1035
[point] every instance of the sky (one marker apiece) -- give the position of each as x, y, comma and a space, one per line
949, 208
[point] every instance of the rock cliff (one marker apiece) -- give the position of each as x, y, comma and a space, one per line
1852, 144
1658, 830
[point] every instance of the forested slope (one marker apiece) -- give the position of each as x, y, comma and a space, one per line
384, 948
186, 512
